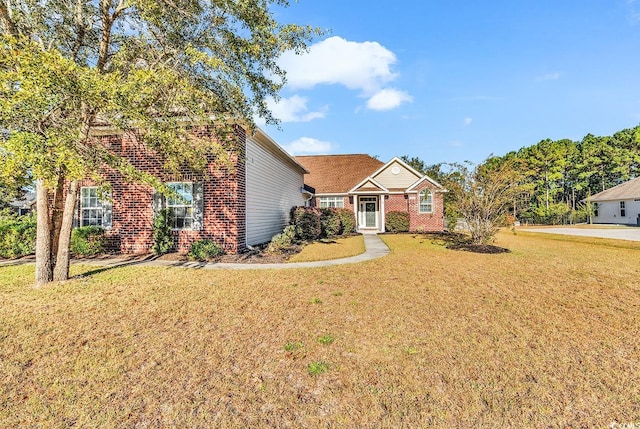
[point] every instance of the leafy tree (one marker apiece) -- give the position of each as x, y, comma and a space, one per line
482, 196
140, 65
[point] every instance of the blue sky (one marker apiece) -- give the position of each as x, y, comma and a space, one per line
450, 81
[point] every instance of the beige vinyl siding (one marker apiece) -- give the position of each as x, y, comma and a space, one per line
403, 179
272, 187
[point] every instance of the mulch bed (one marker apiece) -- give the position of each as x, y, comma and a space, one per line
478, 248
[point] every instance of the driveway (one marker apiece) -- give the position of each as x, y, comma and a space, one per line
618, 233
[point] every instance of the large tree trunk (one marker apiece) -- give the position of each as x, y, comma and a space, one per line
56, 216
44, 268
61, 270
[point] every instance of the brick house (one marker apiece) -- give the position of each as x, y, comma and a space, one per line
236, 207
372, 189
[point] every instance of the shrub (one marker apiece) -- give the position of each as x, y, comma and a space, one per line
162, 236
330, 222
397, 222
283, 241
17, 235
347, 221
204, 250
307, 222
87, 240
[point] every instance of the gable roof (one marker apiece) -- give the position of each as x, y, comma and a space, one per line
368, 185
337, 174
624, 191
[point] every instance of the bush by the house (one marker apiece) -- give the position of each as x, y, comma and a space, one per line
330, 222
397, 222
162, 235
17, 235
87, 241
307, 222
204, 250
347, 221
283, 241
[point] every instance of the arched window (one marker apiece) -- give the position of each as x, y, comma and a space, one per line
426, 201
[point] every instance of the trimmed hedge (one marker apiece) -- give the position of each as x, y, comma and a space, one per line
17, 235
283, 241
312, 223
348, 221
87, 240
330, 221
204, 250
307, 222
397, 222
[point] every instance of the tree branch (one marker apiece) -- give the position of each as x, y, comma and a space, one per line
5, 17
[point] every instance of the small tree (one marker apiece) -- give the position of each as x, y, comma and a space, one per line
483, 195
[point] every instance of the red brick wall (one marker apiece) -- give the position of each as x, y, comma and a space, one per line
410, 202
224, 219
426, 221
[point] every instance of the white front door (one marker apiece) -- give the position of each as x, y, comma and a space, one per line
368, 211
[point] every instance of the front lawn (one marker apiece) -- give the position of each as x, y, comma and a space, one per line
326, 249
545, 336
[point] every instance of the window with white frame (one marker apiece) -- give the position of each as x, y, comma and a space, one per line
595, 209
426, 201
623, 211
331, 202
181, 205
91, 210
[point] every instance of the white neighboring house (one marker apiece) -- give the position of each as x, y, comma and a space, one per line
619, 205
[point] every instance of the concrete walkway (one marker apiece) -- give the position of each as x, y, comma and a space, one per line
375, 248
621, 233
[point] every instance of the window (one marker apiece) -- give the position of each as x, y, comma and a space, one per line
181, 206
595, 209
335, 202
623, 212
91, 209
426, 201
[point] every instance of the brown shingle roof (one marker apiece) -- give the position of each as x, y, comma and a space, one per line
337, 173
624, 191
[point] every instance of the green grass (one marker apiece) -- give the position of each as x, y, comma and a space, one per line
545, 336
317, 368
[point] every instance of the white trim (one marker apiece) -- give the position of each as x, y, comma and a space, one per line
367, 179
425, 177
331, 194
335, 200
420, 202
362, 225
99, 207
177, 204
382, 221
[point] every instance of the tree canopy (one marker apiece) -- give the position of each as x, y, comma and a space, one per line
559, 174
148, 66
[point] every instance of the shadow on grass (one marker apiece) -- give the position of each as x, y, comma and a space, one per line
458, 241
149, 260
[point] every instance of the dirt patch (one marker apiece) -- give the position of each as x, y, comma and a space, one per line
457, 241
478, 248
257, 255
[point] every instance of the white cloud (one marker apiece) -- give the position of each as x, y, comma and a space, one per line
364, 66
308, 146
388, 99
294, 109
550, 76
468, 121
